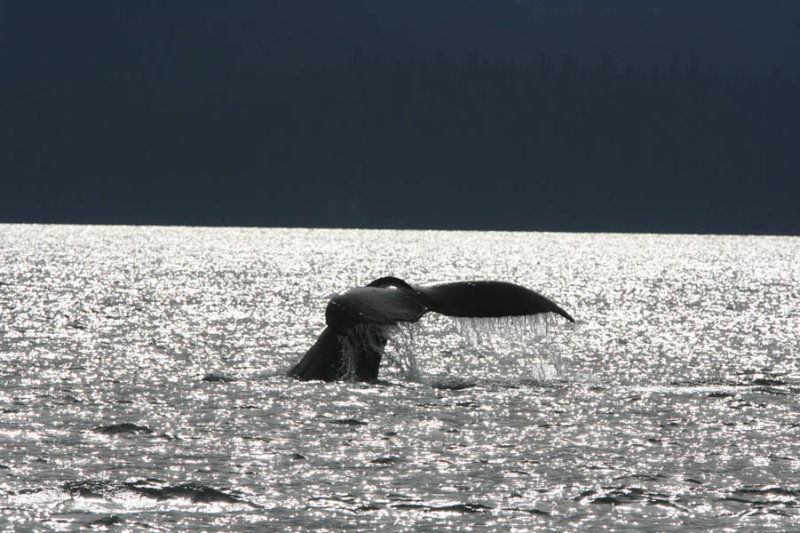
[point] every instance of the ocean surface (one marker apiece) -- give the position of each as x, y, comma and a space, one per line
144, 388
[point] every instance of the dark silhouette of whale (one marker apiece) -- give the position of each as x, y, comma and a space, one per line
352, 345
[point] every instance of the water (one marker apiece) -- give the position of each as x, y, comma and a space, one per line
672, 404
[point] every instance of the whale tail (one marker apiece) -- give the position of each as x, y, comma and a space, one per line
355, 356
352, 344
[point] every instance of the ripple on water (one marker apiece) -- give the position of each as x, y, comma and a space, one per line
144, 388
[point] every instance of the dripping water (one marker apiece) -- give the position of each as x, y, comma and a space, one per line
403, 338
361, 340
519, 338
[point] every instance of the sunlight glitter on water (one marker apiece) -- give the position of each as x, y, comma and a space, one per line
673, 407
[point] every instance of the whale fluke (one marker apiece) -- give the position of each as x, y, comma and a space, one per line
487, 299
352, 344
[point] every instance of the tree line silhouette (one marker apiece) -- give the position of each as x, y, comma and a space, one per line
383, 142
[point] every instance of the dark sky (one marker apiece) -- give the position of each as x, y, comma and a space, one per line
678, 116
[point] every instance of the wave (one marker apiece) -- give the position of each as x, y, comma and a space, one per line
150, 489
125, 428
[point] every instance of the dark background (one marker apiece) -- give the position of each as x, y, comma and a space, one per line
679, 116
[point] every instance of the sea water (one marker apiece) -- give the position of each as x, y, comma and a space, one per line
144, 388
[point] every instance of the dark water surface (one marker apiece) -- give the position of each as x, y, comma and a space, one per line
143, 387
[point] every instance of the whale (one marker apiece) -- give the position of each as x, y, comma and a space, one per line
358, 321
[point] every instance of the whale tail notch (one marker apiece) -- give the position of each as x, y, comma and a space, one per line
351, 346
